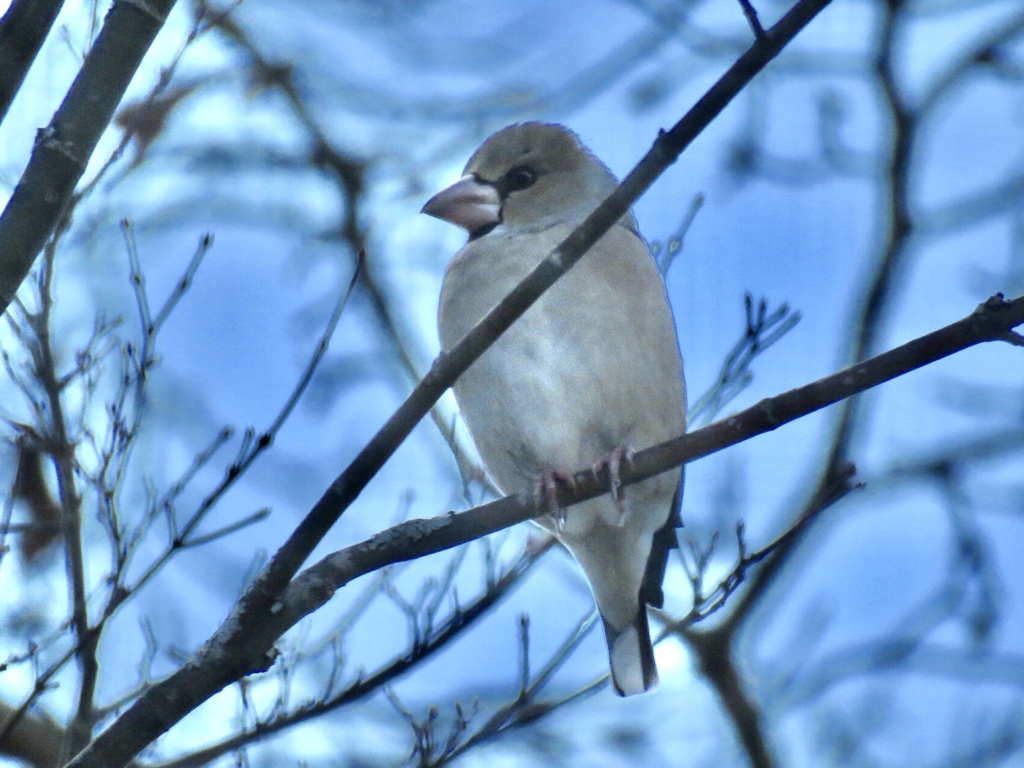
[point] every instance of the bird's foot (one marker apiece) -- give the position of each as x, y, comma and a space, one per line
613, 463
545, 493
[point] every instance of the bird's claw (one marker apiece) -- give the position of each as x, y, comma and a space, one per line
613, 463
545, 493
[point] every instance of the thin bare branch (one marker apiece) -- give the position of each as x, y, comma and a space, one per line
752, 19
462, 619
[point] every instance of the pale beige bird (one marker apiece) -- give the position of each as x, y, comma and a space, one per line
590, 373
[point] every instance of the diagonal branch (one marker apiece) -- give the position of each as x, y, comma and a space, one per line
23, 28
62, 149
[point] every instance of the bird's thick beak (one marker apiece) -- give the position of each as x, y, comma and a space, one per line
468, 203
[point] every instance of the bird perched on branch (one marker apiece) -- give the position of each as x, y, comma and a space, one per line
590, 373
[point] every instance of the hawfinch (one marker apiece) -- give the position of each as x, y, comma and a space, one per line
590, 373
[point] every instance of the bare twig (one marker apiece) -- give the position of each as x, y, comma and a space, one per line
250, 450
60, 446
666, 254
461, 620
526, 708
752, 19
762, 330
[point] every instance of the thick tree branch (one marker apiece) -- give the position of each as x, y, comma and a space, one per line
22, 31
62, 149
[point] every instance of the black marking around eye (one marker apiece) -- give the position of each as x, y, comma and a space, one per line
520, 177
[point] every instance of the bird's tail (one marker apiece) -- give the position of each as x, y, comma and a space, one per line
631, 656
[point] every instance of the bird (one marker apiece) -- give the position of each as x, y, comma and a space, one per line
590, 373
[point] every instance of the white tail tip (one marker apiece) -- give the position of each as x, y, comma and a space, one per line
631, 657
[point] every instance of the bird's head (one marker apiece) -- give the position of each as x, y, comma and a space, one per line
526, 177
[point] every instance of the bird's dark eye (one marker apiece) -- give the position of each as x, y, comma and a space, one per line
520, 177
